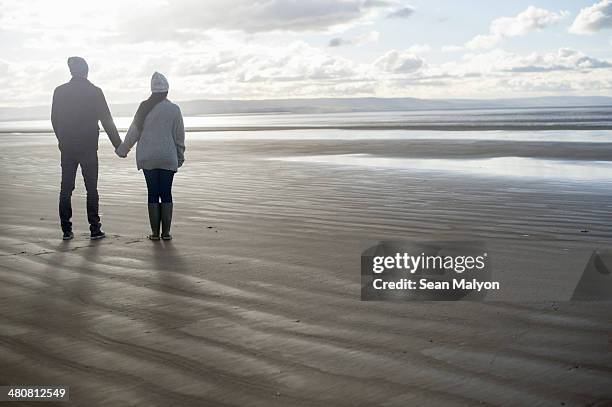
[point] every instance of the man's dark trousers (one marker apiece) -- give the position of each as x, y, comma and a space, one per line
88, 160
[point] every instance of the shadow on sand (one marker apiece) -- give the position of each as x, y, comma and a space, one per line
172, 288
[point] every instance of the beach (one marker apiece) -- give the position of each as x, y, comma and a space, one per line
256, 299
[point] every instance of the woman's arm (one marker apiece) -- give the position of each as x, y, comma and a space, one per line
131, 138
179, 138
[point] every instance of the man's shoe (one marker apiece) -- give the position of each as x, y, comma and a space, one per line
68, 235
97, 235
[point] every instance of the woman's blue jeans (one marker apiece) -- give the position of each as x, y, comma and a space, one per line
159, 185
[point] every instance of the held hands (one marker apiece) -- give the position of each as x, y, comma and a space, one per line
122, 151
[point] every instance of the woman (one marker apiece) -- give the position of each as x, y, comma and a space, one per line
158, 129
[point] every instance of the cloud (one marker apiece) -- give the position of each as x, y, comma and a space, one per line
594, 18
530, 86
483, 41
403, 12
359, 40
64, 22
213, 64
337, 42
499, 63
532, 18
296, 62
498, 72
419, 48
565, 59
252, 16
399, 62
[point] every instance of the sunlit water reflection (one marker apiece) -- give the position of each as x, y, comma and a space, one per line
574, 170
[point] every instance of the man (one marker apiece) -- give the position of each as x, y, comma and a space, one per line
77, 107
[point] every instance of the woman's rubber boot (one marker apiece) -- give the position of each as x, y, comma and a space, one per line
155, 220
166, 220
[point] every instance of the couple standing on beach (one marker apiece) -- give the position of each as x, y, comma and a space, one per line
157, 127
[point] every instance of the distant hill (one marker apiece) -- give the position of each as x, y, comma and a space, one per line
330, 105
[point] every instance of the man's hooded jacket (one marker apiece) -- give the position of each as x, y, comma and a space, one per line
77, 107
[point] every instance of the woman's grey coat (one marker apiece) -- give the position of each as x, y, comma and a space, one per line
161, 143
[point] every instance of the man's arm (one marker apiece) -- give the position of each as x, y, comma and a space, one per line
104, 115
54, 113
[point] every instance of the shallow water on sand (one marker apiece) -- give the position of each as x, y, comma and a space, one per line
574, 170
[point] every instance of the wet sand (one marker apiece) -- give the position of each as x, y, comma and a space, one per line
256, 300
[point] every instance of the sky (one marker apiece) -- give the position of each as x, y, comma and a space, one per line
268, 49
